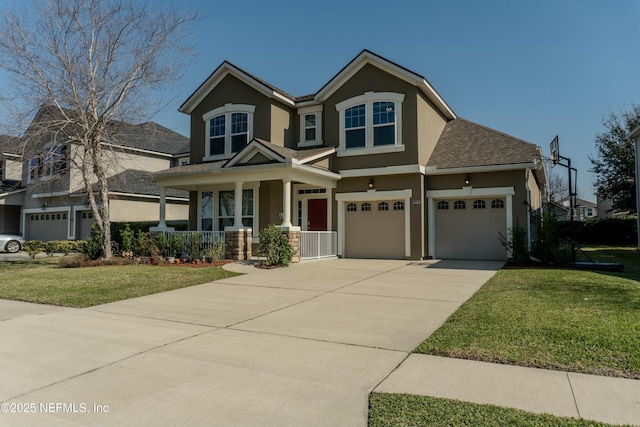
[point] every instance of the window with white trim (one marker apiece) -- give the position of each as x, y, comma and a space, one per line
352, 207
398, 206
371, 123
226, 208
383, 206
228, 130
310, 126
497, 204
443, 205
54, 160
459, 204
366, 207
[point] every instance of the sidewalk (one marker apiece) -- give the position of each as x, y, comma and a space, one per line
605, 399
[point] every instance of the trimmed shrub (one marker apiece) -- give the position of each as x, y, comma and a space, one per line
602, 231
275, 246
33, 247
51, 247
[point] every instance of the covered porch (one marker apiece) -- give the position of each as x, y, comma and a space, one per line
243, 195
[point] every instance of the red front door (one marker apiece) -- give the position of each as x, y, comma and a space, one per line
317, 215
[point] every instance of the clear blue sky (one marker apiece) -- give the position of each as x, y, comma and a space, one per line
532, 69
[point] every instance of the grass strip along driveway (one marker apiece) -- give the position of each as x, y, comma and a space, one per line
563, 319
552, 318
42, 281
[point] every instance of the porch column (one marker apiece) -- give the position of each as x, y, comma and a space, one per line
237, 204
162, 225
286, 203
163, 207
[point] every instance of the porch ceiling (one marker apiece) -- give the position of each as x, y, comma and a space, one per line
202, 179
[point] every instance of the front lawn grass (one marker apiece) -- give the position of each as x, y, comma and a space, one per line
409, 410
571, 320
41, 281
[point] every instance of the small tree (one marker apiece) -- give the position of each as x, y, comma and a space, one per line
614, 162
517, 244
93, 64
275, 246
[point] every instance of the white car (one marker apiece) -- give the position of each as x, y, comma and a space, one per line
10, 243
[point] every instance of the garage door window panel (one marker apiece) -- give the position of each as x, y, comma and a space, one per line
459, 205
479, 204
443, 205
366, 207
497, 204
383, 206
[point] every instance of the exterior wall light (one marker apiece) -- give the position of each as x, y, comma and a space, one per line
371, 183
467, 181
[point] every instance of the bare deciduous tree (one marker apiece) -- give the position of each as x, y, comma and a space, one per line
93, 63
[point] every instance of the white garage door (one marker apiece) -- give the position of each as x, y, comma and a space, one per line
375, 229
468, 229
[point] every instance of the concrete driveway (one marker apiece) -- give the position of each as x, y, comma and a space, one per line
286, 347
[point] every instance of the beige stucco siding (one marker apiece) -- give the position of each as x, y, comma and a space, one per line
430, 126
270, 204
13, 168
282, 126
536, 194
232, 90
372, 79
132, 211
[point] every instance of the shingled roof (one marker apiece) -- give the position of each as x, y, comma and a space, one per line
137, 182
466, 144
148, 136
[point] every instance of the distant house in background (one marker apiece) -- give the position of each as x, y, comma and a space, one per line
11, 191
635, 136
605, 206
48, 200
582, 210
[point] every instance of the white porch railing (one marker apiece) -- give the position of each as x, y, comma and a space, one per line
318, 244
204, 239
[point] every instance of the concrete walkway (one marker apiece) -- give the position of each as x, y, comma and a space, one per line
606, 399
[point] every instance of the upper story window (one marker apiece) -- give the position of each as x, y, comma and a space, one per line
228, 129
54, 160
310, 126
371, 123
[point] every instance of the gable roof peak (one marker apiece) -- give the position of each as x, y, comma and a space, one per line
368, 57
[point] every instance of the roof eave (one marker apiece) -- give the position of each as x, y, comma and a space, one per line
216, 77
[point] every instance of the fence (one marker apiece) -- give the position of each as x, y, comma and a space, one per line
196, 244
318, 244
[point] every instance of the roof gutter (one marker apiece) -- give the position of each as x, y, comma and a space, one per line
434, 170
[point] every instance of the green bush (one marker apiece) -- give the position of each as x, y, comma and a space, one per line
176, 245
603, 231
216, 250
51, 247
92, 247
127, 239
66, 246
33, 247
517, 245
275, 246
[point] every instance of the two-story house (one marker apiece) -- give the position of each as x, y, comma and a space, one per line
11, 191
376, 155
52, 203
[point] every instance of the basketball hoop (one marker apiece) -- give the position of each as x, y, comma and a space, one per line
555, 151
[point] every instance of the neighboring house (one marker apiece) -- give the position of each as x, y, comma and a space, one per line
375, 155
604, 206
11, 191
582, 210
635, 136
52, 205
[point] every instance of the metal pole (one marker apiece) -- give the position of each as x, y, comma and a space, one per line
571, 204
